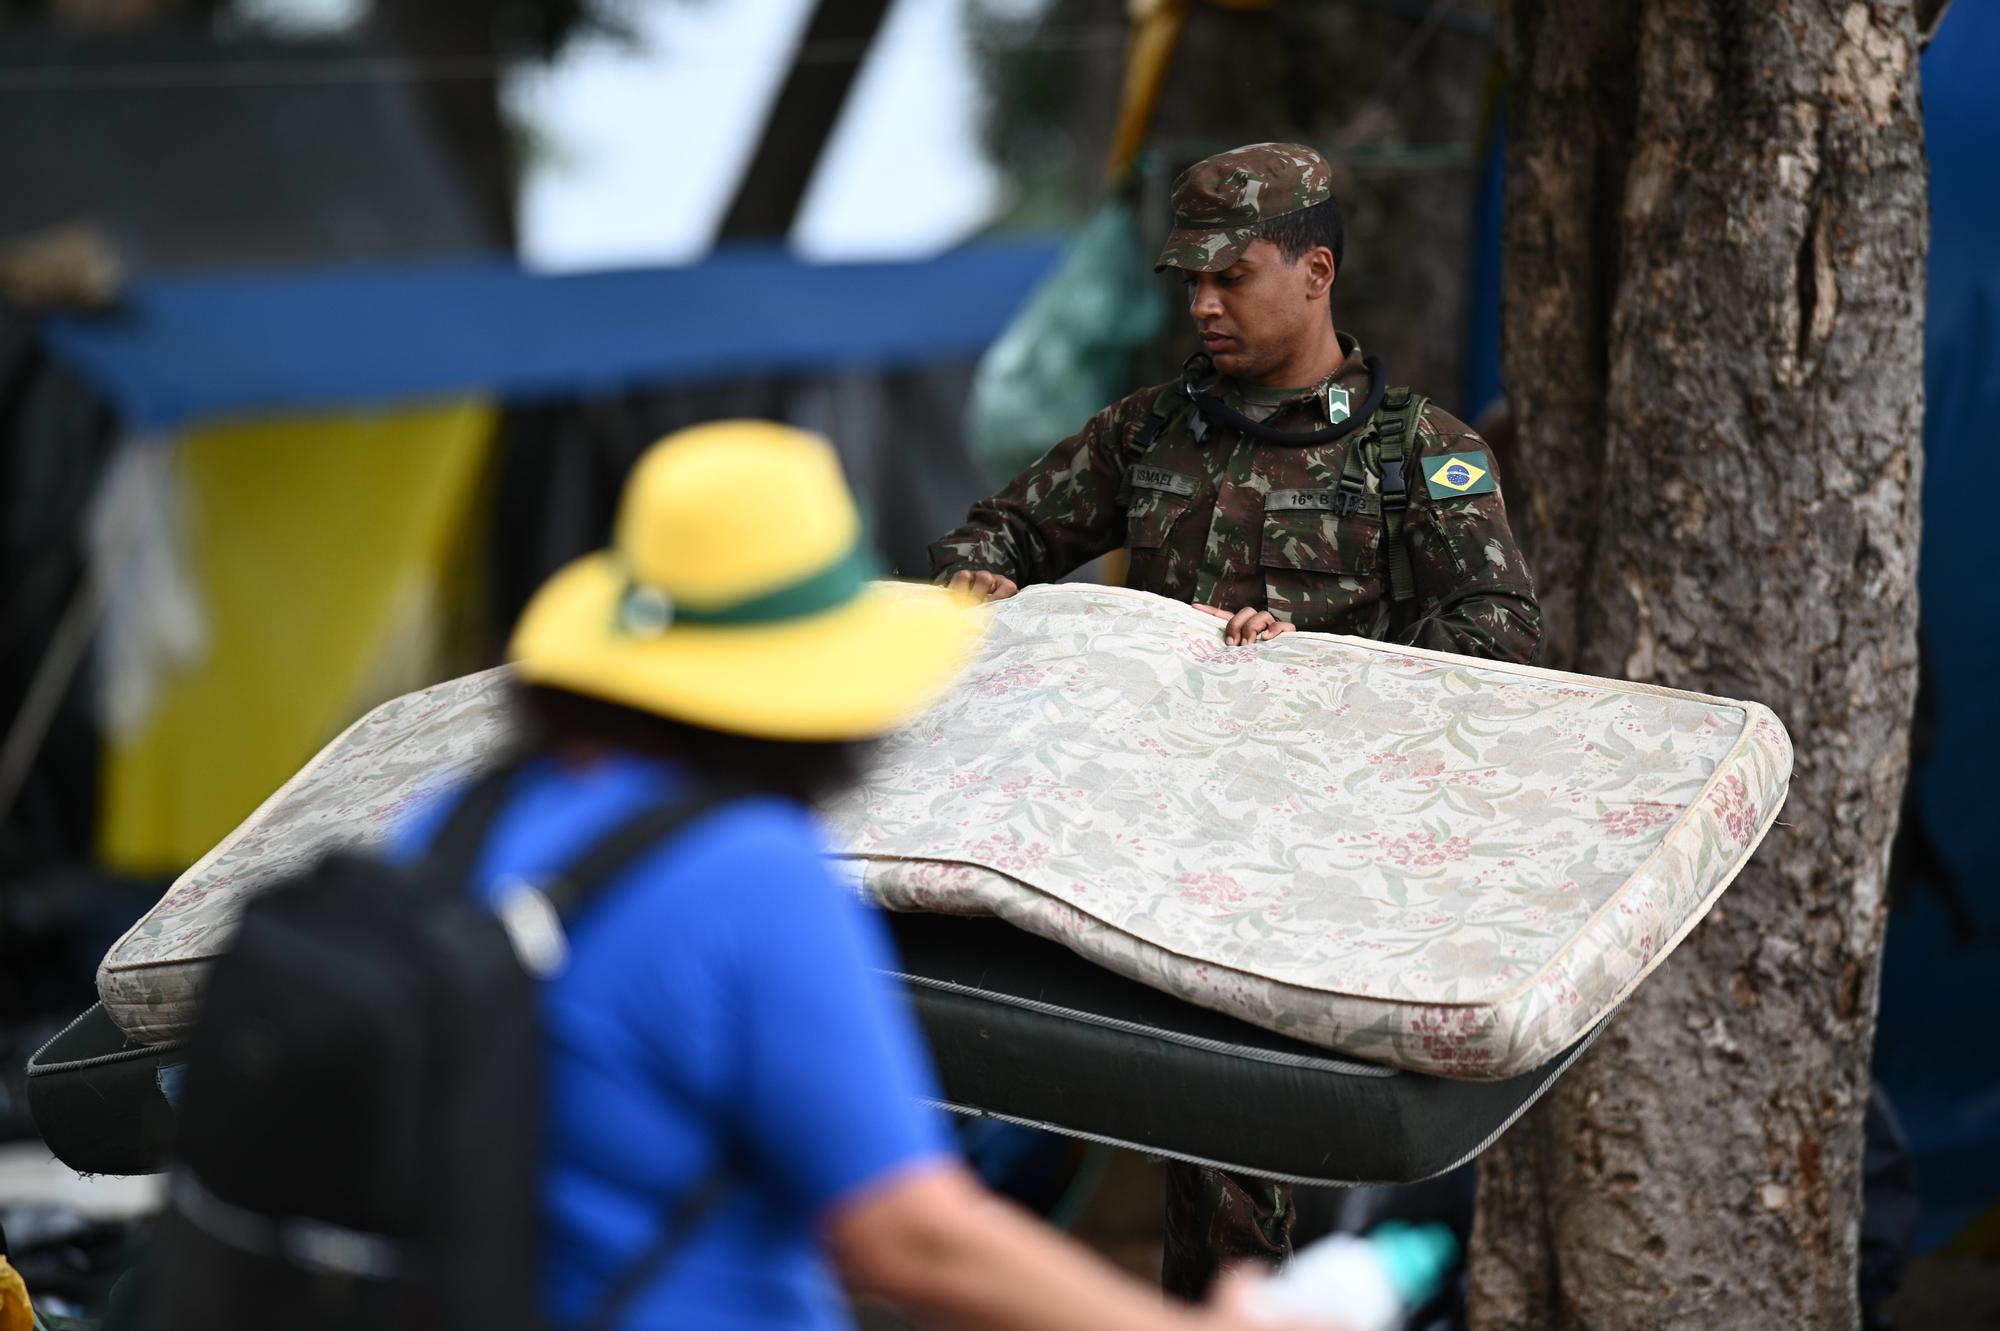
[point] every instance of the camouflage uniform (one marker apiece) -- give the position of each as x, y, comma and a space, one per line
1215, 1220
1231, 521
1217, 516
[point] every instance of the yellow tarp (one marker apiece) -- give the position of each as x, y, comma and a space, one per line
321, 547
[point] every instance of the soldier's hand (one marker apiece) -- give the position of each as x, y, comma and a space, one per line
987, 586
1247, 625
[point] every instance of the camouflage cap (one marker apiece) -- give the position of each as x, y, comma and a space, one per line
1220, 201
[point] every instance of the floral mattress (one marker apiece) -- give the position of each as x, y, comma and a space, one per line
352, 793
1448, 865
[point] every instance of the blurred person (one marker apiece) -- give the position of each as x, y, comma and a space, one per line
1280, 483
721, 1026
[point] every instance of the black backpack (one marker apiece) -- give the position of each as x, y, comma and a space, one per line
359, 1138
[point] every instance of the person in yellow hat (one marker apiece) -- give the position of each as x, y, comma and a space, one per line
720, 1027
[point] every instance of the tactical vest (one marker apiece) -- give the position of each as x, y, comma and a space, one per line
1385, 443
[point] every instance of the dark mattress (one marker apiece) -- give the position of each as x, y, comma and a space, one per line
1021, 1029
98, 1100
1026, 1030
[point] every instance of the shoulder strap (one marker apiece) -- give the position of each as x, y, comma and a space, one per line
1394, 439
569, 894
455, 848
1150, 431
695, 1206
453, 855
626, 842
1159, 416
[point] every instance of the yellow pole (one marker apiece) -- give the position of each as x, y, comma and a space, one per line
1156, 28
16, 1313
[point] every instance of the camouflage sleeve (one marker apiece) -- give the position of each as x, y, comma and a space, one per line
1474, 594
1063, 511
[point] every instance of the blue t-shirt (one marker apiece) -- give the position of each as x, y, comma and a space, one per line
720, 994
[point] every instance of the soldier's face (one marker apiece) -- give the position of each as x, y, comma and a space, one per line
1253, 314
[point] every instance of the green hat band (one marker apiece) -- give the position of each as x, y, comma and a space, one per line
647, 611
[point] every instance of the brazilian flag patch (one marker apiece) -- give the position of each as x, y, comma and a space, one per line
1456, 474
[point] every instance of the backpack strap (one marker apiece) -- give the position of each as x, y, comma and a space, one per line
455, 848
566, 896
454, 851
695, 1206
535, 914
643, 832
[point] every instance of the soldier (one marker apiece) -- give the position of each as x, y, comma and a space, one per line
1279, 483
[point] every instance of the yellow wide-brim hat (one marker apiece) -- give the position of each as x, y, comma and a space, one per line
738, 595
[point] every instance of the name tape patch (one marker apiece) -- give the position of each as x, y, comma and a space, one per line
1155, 478
1320, 501
1457, 474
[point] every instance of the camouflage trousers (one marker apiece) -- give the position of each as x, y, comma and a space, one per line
1215, 1220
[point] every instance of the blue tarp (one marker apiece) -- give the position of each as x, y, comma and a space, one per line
1479, 378
192, 348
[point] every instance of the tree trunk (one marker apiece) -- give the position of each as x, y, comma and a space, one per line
1713, 314
464, 103
802, 119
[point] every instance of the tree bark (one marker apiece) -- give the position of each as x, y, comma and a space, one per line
1713, 317
802, 119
